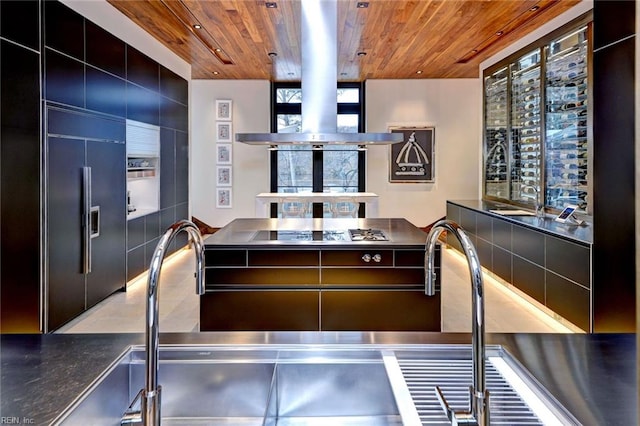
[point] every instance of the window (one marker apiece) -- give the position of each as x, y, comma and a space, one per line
299, 168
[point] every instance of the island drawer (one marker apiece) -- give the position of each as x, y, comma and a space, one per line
299, 277
284, 258
370, 257
346, 277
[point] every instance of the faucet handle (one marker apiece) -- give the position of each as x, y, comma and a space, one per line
457, 417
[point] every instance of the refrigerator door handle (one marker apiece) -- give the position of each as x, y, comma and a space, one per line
86, 220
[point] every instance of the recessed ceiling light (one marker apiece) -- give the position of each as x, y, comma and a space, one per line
290, 73
343, 74
271, 5
534, 8
216, 73
419, 72
361, 53
499, 33
272, 54
362, 4
197, 26
474, 51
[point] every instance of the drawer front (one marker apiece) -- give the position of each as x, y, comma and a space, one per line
386, 310
468, 221
225, 257
273, 277
284, 258
357, 257
529, 244
568, 259
259, 311
367, 277
484, 228
569, 300
529, 278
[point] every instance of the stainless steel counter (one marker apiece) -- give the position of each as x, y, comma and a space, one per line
243, 232
592, 375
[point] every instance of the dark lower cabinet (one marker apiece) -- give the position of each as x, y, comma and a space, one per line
71, 287
254, 289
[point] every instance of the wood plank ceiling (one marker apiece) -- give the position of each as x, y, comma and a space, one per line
389, 39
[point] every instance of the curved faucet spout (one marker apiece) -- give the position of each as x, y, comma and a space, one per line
479, 395
150, 404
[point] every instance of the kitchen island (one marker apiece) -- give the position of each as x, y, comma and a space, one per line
318, 275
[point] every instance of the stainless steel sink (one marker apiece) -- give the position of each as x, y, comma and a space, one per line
288, 385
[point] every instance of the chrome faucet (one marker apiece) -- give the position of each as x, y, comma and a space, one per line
478, 413
149, 414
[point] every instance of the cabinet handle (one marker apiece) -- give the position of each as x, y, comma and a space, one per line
366, 257
86, 220
377, 258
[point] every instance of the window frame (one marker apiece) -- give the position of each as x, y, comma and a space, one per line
317, 155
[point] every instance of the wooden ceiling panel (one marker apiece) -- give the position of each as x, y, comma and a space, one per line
440, 38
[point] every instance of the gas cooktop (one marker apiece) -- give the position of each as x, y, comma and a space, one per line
326, 235
367, 235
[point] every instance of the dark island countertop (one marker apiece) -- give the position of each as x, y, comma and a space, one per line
548, 224
263, 232
592, 375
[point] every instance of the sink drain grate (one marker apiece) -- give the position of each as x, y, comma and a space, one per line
454, 379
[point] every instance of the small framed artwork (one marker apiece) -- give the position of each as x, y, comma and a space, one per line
414, 159
224, 177
223, 131
223, 198
224, 153
223, 109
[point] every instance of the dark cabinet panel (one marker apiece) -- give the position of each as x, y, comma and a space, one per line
453, 213
173, 86
529, 278
135, 232
501, 233
357, 258
64, 79
105, 93
485, 253
468, 221
414, 257
484, 227
142, 70
24, 31
167, 168
284, 258
78, 124
614, 21
260, 311
225, 257
344, 310
136, 262
182, 167
569, 300
265, 277
569, 260
173, 115
358, 277
108, 270
502, 263
105, 50
63, 29
528, 244
167, 218
66, 282
152, 226
143, 105
20, 188
149, 249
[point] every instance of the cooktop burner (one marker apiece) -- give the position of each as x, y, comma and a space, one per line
288, 235
367, 235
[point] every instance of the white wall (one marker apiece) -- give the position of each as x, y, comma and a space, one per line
250, 171
453, 107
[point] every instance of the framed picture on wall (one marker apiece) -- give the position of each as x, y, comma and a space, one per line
413, 160
224, 177
223, 109
223, 198
224, 153
224, 130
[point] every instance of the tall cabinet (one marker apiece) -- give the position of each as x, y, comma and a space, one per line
536, 126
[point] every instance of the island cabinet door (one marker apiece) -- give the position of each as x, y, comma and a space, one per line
260, 310
379, 310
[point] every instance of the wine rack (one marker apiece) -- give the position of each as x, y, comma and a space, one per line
536, 123
566, 144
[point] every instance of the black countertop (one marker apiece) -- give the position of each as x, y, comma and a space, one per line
251, 233
581, 234
592, 375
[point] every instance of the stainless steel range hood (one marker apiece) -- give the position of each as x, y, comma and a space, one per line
319, 52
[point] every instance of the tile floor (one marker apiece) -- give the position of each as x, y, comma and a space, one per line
125, 311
